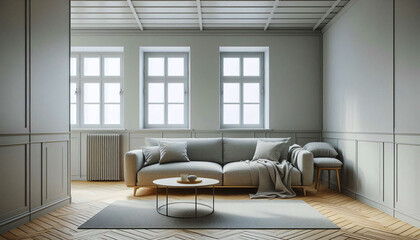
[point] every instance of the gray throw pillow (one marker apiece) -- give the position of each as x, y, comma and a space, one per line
151, 155
284, 148
268, 150
173, 152
321, 149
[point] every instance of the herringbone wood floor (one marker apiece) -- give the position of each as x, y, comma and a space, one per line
356, 220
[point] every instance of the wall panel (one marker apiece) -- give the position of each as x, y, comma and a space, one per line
13, 181
369, 169
407, 197
13, 90
54, 161
75, 156
347, 150
50, 66
36, 175
34, 96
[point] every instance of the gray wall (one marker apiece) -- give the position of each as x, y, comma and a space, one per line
358, 100
34, 95
295, 75
295, 87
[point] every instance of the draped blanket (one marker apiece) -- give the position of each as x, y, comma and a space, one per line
274, 178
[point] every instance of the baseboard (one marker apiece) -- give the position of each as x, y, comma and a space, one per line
44, 209
78, 178
32, 214
14, 221
375, 204
406, 218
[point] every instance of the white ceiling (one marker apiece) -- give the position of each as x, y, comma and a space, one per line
203, 14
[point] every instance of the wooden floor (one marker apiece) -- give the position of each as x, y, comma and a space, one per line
356, 220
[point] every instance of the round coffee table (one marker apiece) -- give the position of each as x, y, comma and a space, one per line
172, 183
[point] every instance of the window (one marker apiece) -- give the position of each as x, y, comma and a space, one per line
165, 90
242, 89
96, 90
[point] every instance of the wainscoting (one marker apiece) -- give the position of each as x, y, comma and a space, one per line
371, 175
135, 139
34, 174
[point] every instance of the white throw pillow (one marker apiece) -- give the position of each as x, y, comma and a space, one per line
173, 152
268, 150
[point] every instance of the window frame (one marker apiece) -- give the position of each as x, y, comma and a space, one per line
165, 79
80, 80
241, 79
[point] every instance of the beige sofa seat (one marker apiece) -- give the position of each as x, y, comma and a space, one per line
147, 174
239, 174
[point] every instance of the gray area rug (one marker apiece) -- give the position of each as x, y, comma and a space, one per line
228, 214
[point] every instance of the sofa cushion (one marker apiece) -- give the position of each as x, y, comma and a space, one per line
321, 149
198, 149
239, 149
239, 174
173, 152
322, 162
146, 175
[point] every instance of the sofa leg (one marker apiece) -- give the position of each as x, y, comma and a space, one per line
317, 179
135, 190
304, 191
338, 180
329, 179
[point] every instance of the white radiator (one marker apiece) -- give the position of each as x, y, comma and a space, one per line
103, 157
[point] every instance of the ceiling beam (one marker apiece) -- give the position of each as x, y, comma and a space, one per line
136, 16
273, 10
326, 14
200, 19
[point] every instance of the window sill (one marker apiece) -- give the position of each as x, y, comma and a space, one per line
96, 129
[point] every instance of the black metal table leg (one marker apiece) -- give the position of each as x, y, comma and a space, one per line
157, 198
213, 201
167, 201
195, 202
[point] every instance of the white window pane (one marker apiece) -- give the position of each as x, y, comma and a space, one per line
156, 114
73, 96
175, 92
251, 67
91, 114
230, 66
112, 114
175, 113
112, 66
251, 114
91, 66
73, 114
231, 92
231, 114
156, 67
91, 92
175, 66
251, 92
112, 92
156, 92
73, 66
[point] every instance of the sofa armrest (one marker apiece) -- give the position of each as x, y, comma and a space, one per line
133, 162
305, 164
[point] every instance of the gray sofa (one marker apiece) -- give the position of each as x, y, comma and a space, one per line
218, 158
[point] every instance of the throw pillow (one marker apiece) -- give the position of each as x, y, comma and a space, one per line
151, 155
173, 152
321, 149
284, 148
268, 150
